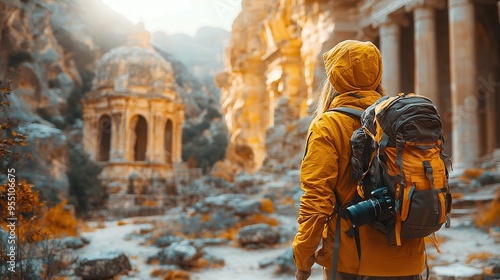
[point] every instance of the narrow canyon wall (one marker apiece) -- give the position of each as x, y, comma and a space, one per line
273, 69
244, 102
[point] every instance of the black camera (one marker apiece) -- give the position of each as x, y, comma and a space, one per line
381, 205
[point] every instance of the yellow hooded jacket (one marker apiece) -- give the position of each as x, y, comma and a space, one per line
354, 69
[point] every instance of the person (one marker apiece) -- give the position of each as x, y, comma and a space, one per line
354, 71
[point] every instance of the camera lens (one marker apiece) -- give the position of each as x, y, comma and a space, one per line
364, 212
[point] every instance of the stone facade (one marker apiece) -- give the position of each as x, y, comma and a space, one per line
133, 118
446, 50
455, 46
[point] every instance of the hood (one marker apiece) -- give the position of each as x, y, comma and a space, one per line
353, 65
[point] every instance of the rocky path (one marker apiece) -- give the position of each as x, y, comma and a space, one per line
239, 263
466, 251
459, 243
244, 265
114, 237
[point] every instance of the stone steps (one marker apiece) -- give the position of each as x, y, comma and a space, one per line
469, 205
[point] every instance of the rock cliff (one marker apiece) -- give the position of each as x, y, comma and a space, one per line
273, 67
49, 50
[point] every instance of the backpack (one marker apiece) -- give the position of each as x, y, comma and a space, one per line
400, 168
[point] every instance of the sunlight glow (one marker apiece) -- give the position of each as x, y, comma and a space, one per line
174, 16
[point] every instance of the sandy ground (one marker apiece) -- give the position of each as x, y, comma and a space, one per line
239, 263
459, 243
243, 264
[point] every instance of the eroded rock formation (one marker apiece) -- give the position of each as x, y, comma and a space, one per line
272, 68
287, 44
47, 49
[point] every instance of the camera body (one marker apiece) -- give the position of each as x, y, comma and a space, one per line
379, 207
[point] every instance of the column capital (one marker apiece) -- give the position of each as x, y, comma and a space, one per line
400, 19
429, 4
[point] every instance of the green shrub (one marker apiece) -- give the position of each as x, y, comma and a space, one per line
86, 190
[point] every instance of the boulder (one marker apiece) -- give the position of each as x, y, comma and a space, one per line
244, 181
166, 240
214, 260
488, 178
183, 254
73, 242
218, 212
213, 241
239, 204
258, 235
103, 265
285, 262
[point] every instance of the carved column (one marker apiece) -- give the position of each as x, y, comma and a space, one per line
159, 138
125, 134
94, 135
151, 134
292, 77
120, 133
465, 134
115, 153
390, 48
177, 142
89, 141
129, 134
426, 68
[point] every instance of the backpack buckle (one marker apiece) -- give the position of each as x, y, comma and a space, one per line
427, 169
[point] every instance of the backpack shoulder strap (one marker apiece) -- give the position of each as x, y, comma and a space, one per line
355, 113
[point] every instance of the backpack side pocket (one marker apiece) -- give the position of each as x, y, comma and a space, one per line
423, 218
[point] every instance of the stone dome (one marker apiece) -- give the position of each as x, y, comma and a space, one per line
134, 69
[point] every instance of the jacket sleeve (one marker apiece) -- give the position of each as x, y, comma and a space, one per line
318, 176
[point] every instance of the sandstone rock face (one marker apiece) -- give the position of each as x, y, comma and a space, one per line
242, 84
273, 66
41, 44
47, 50
48, 148
285, 146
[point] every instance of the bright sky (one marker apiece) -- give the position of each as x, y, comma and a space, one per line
178, 16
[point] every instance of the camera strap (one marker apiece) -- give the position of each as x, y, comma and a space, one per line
336, 244
358, 241
336, 247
